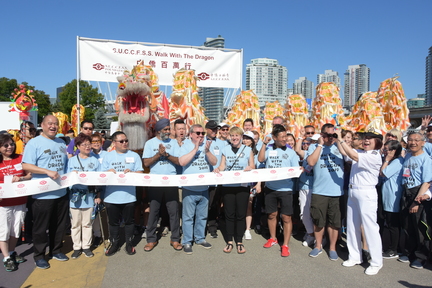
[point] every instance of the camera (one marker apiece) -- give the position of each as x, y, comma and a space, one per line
253, 192
334, 135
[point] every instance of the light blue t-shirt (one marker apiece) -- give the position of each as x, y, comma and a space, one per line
120, 162
89, 164
416, 170
328, 171
278, 158
100, 155
216, 147
199, 164
48, 154
392, 185
306, 177
428, 148
239, 159
163, 165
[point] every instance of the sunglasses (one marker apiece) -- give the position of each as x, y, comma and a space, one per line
310, 133
123, 141
199, 133
87, 128
7, 145
391, 135
306, 143
97, 141
224, 129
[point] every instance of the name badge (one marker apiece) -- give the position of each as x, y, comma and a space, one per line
406, 172
8, 178
216, 152
18, 167
100, 160
130, 160
273, 153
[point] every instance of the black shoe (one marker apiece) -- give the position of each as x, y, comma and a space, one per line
213, 235
10, 265
187, 248
130, 250
76, 254
60, 257
366, 256
42, 264
389, 254
17, 258
88, 253
204, 244
97, 241
112, 248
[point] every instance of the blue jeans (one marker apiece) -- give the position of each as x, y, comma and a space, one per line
195, 205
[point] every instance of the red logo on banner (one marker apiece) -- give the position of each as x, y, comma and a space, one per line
43, 182
146, 177
201, 176
218, 175
64, 178
273, 171
82, 175
122, 175
20, 185
291, 170
165, 178
98, 66
203, 76
102, 175
183, 177
1, 188
237, 174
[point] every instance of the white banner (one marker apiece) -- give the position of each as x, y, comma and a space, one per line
104, 60
26, 188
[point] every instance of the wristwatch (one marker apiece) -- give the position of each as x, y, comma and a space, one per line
320, 145
167, 154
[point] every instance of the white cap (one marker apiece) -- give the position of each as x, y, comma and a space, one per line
223, 125
315, 137
249, 134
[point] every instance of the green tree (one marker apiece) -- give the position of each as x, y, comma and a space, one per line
101, 121
7, 86
90, 98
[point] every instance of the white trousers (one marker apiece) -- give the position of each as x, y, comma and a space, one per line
81, 230
362, 210
305, 197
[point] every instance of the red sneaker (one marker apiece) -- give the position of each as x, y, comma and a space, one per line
285, 252
270, 242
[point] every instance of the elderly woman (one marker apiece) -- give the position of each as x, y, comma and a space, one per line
363, 201
236, 156
12, 210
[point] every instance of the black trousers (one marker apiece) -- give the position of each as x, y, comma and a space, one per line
390, 231
117, 212
51, 215
156, 196
214, 208
235, 201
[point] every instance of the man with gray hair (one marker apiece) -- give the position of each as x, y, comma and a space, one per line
160, 155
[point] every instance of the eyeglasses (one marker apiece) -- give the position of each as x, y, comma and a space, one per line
96, 141
7, 145
414, 140
199, 133
306, 143
123, 141
224, 129
356, 138
310, 133
87, 128
391, 135
85, 145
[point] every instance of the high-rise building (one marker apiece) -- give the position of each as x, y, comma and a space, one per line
304, 87
213, 97
356, 82
429, 78
329, 76
268, 80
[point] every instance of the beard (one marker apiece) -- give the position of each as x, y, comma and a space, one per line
164, 136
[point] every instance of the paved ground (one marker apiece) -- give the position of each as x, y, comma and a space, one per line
259, 267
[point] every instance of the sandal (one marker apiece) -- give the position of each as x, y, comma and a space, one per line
240, 248
228, 248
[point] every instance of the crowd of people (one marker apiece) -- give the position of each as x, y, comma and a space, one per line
371, 189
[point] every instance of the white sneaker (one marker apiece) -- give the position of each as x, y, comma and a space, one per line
372, 270
308, 241
247, 235
350, 263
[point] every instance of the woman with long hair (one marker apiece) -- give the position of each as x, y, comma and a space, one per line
12, 210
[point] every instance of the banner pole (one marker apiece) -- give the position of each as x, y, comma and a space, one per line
78, 87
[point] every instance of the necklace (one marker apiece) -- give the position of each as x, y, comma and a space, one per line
7, 166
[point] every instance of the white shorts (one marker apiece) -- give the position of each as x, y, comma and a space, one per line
11, 220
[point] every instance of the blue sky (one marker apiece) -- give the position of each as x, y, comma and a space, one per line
38, 38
